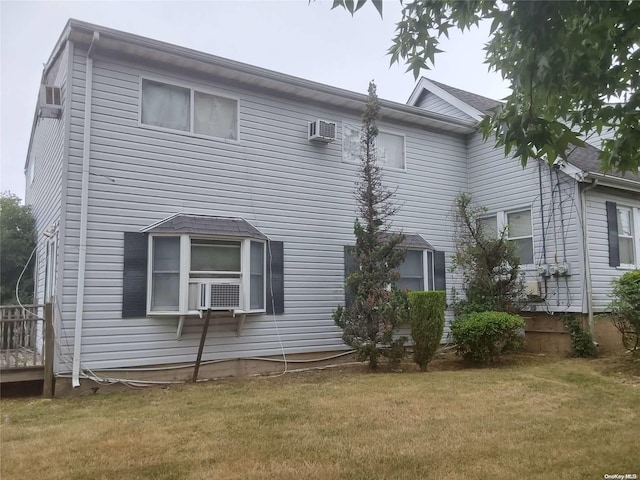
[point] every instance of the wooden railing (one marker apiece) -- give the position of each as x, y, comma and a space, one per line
22, 336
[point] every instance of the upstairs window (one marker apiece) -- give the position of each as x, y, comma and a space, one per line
166, 106
180, 108
390, 150
390, 147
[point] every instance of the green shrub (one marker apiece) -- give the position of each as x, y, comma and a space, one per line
581, 341
426, 313
481, 337
625, 308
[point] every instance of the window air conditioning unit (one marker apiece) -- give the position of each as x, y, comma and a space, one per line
50, 101
321, 131
220, 294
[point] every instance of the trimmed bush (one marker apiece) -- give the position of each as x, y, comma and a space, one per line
481, 337
426, 313
626, 308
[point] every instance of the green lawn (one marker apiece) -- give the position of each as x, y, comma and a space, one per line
533, 417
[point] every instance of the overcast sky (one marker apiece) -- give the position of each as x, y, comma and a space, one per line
310, 41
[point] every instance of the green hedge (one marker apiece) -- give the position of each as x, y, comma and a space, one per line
426, 313
481, 337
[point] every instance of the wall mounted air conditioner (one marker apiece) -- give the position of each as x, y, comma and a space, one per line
220, 294
50, 101
321, 131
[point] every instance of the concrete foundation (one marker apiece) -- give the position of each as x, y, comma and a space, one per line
208, 371
546, 333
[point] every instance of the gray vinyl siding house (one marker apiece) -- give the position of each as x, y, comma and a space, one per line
568, 207
127, 197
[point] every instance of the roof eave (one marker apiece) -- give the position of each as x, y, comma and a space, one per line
605, 180
464, 107
154, 50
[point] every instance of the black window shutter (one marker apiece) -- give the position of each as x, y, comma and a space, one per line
612, 227
350, 266
134, 291
275, 277
439, 271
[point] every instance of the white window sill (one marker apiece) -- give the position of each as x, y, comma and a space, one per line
188, 133
197, 313
627, 266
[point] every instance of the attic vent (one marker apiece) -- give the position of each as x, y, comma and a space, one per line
50, 101
321, 131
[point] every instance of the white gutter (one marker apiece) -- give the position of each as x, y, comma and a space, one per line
585, 249
605, 180
84, 212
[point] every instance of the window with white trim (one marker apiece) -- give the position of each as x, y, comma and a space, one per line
390, 147
32, 169
187, 270
179, 108
519, 230
50, 269
628, 236
416, 271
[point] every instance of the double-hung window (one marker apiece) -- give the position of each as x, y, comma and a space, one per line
179, 108
628, 236
519, 231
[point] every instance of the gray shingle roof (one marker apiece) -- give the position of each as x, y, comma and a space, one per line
480, 103
207, 225
412, 240
585, 158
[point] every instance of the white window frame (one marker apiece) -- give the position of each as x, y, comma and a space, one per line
428, 275
635, 236
192, 91
503, 225
347, 125
51, 254
32, 169
185, 273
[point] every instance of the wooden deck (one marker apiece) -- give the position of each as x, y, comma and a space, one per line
22, 343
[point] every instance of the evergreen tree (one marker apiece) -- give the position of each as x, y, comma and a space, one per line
370, 320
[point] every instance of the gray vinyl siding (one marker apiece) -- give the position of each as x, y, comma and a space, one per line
47, 154
601, 273
433, 103
293, 190
501, 184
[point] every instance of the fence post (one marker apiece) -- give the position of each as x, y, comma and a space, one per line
49, 345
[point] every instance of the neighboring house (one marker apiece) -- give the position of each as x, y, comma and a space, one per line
165, 180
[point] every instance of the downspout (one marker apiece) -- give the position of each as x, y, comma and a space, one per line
84, 212
544, 240
585, 249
